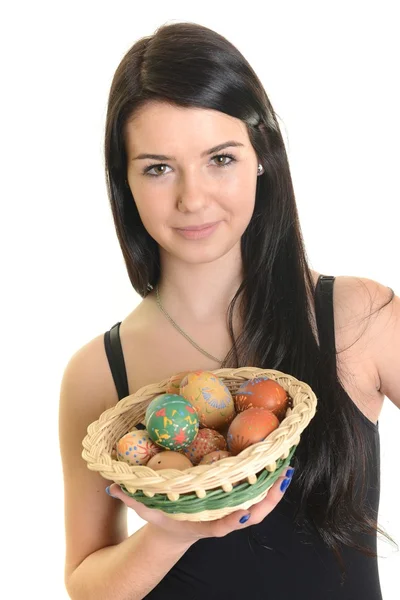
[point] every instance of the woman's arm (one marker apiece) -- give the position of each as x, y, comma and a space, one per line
101, 560
123, 572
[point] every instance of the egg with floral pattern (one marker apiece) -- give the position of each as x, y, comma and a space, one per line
211, 398
174, 382
136, 448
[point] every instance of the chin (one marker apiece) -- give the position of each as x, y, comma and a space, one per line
197, 253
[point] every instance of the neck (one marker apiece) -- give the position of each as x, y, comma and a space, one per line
199, 292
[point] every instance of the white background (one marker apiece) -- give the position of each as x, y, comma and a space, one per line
331, 73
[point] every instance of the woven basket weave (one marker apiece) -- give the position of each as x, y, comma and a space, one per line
203, 492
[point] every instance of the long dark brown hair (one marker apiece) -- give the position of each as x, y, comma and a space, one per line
189, 65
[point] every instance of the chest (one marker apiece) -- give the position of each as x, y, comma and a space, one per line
154, 354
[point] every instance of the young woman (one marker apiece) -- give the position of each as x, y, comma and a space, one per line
205, 213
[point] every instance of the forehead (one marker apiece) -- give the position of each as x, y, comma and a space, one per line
167, 127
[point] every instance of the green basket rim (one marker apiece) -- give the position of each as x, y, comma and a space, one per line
215, 499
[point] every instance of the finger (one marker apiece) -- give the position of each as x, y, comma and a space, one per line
261, 509
255, 514
152, 515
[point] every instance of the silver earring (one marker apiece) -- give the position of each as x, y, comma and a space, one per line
259, 169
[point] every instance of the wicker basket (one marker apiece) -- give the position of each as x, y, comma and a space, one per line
203, 492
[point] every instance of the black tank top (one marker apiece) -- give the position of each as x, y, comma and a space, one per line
273, 560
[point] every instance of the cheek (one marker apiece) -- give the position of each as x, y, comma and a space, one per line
238, 197
153, 213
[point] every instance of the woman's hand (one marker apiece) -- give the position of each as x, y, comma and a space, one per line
190, 531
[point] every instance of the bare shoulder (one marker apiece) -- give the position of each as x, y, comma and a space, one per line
361, 311
358, 298
88, 370
373, 309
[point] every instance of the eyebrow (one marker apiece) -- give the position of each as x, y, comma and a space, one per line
205, 153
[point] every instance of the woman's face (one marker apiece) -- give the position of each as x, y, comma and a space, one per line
189, 186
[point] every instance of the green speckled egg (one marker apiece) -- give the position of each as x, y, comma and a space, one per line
156, 402
172, 422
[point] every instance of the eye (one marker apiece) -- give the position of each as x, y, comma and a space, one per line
233, 159
147, 170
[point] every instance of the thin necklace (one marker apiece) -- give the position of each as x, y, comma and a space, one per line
181, 331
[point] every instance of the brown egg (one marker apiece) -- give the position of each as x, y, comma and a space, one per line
174, 382
169, 459
206, 441
212, 457
262, 392
249, 427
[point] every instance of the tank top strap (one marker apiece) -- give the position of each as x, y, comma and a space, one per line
112, 343
115, 356
325, 319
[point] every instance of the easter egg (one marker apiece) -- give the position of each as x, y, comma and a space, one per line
262, 392
249, 427
214, 456
172, 422
156, 401
168, 459
174, 383
136, 448
206, 441
211, 398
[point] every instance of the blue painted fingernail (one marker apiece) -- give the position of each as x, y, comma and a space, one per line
289, 473
109, 493
244, 518
285, 484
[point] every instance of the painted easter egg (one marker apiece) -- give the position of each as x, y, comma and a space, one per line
206, 441
174, 383
173, 422
211, 398
168, 459
214, 456
249, 427
262, 392
136, 448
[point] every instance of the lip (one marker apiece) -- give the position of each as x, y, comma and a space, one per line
197, 227
198, 233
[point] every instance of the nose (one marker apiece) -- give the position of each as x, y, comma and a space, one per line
191, 196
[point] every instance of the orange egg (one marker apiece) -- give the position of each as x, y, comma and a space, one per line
249, 427
262, 392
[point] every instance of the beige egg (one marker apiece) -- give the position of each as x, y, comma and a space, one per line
174, 382
169, 459
136, 447
210, 397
